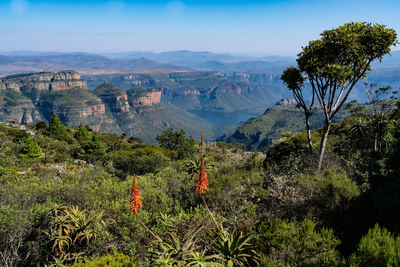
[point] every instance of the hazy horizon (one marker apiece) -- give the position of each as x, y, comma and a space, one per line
250, 55
274, 27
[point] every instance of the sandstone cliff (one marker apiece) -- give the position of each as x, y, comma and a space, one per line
63, 80
144, 100
287, 101
15, 107
114, 97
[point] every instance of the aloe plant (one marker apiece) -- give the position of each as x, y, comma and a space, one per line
174, 252
235, 248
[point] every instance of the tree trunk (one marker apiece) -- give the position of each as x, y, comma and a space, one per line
360, 141
309, 135
324, 138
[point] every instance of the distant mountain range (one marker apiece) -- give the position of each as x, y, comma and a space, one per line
89, 61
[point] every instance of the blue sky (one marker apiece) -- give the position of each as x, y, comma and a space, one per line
279, 27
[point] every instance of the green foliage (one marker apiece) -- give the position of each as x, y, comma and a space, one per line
328, 192
334, 63
286, 157
95, 147
377, 248
235, 248
8, 175
380, 206
31, 150
174, 251
178, 142
363, 43
149, 159
58, 209
15, 227
298, 244
55, 128
67, 229
82, 133
112, 260
40, 125
21, 136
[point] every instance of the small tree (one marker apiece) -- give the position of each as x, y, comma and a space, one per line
178, 142
82, 132
294, 80
337, 61
31, 150
56, 128
378, 247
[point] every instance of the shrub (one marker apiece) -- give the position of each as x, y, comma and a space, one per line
113, 260
377, 248
56, 129
298, 244
327, 191
31, 150
177, 141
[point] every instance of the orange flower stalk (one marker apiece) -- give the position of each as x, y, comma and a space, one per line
202, 182
135, 202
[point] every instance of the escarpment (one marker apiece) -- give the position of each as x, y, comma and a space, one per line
144, 100
63, 80
115, 98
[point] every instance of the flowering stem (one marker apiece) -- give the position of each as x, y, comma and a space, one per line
210, 212
155, 235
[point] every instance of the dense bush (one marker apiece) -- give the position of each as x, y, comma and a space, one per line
297, 244
70, 203
377, 248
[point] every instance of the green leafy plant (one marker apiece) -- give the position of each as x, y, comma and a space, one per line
235, 248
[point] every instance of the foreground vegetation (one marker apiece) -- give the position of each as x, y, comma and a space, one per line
65, 193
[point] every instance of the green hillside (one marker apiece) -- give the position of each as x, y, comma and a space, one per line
263, 130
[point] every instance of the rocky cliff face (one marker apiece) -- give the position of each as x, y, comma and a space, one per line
63, 80
139, 97
253, 78
30, 98
195, 90
287, 101
114, 97
15, 107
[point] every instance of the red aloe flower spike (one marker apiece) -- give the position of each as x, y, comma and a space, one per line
202, 183
135, 202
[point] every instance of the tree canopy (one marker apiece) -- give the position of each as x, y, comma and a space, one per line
334, 63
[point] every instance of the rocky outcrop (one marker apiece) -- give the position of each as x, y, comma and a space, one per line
114, 97
139, 97
171, 93
63, 80
255, 137
252, 78
287, 101
228, 87
15, 107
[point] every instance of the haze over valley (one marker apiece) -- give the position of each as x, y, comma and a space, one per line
199, 91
